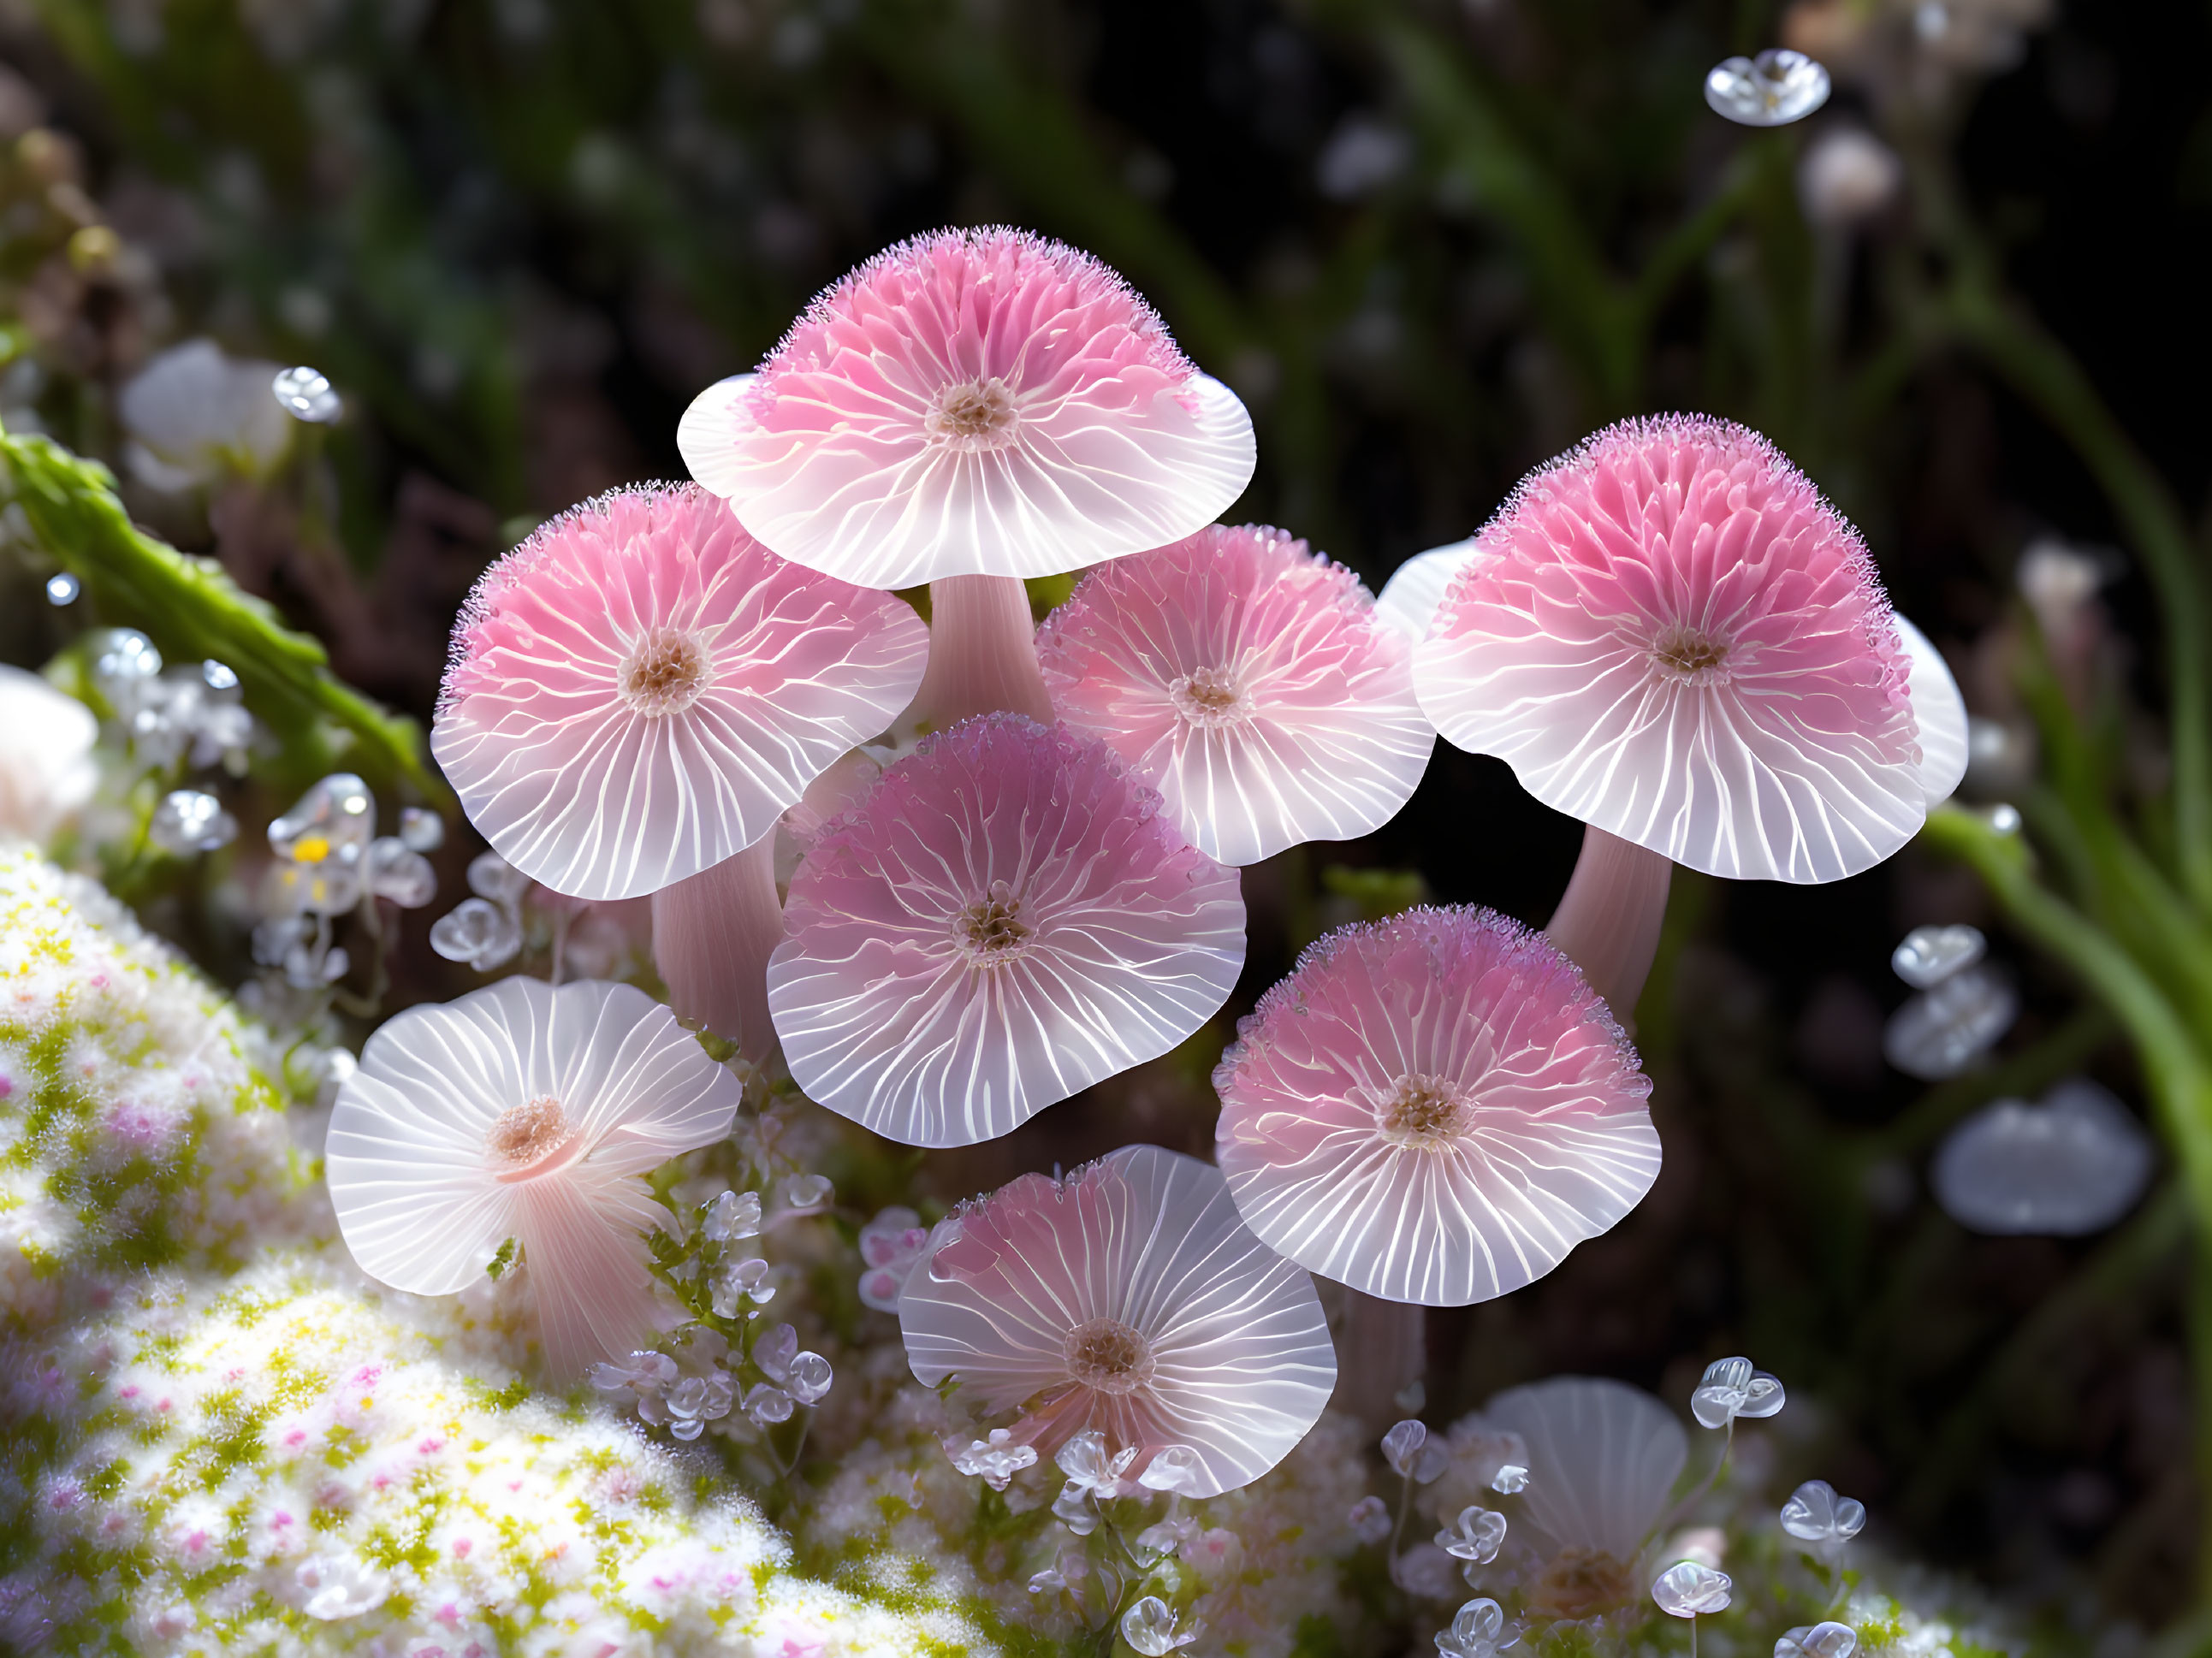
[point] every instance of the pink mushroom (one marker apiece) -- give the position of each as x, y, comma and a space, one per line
1249, 680
1128, 1299
635, 695
968, 409
1007, 918
1434, 1108
1670, 635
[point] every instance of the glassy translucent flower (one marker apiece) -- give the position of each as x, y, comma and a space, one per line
2067, 1167
1006, 918
1825, 1640
1406, 1448
47, 770
1944, 1030
1129, 1298
996, 1459
971, 402
1478, 1630
1731, 1388
1250, 681
1771, 90
525, 1112
1475, 1536
1688, 1589
305, 394
1930, 955
1175, 1469
636, 693
194, 413
1670, 636
1814, 1514
1150, 1628
1603, 1458
1091, 1468
1433, 1108
191, 821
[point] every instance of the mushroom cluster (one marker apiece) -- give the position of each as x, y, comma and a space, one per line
942, 874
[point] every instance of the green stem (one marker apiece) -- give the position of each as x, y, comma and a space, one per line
2041, 371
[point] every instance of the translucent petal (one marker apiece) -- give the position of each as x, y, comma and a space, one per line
765, 673
1241, 1361
1433, 1109
1115, 939
1103, 440
1248, 681
1669, 635
1940, 714
1602, 1458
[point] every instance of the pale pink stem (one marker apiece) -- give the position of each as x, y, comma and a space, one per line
1607, 924
982, 654
712, 935
1382, 1350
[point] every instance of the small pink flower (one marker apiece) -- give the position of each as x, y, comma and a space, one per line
1005, 919
1434, 1108
638, 691
523, 1112
971, 402
1127, 1298
1671, 636
1249, 680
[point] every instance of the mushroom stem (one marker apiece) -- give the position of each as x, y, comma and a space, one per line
1608, 922
982, 654
1382, 1350
712, 936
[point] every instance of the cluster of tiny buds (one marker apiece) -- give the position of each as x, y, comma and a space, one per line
685, 1397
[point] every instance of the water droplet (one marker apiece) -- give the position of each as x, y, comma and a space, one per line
63, 589
122, 658
1771, 90
2071, 1165
218, 676
305, 394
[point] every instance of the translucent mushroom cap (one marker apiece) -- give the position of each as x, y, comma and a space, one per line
1669, 634
521, 1111
2072, 1165
1005, 919
1249, 680
1128, 1299
1433, 1108
1603, 1459
639, 691
971, 403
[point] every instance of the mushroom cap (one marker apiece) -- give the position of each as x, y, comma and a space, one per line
971, 403
1235, 1361
1007, 918
638, 691
1249, 680
1603, 1458
1939, 713
1669, 634
1433, 1108
425, 1198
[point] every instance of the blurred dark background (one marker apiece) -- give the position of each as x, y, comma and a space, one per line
1431, 243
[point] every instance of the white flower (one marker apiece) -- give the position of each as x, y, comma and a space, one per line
1150, 1628
1475, 1537
996, 1461
1689, 1588
1406, 1447
194, 414
1478, 1630
47, 772
528, 1113
1814, 1514
1090, 1467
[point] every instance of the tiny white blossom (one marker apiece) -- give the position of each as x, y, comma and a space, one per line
732, 1215
1370, 1519
1478, 1630
1476, 1536
1150, 1628
1732, 1389
1689, 1588
995, 1461
1406, 1447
